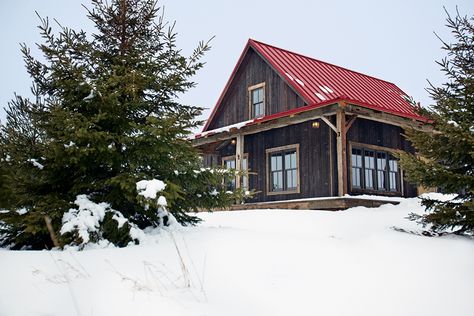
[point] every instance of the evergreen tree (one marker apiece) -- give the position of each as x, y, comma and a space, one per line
445, 158
107, 115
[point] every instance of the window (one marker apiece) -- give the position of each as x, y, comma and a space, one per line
381, 171
369, 169
394, 178
257, 100
283, 169
229, 163
356, 167
374, 170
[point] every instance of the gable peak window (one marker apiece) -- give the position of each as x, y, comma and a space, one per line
257, 100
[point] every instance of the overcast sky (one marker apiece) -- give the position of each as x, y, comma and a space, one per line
391, 40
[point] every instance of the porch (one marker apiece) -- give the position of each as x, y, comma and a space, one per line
321, 203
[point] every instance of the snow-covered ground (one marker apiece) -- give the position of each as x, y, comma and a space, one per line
267, 262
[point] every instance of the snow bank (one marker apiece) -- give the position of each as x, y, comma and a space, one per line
263, 262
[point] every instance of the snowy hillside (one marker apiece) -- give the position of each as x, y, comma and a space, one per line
254, 263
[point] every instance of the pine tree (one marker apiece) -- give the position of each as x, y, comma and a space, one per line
445, 158
107, 115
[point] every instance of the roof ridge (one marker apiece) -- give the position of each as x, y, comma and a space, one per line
324, 62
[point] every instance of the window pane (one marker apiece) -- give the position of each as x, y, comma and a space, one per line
393, 173
276, 162
244, 164
280, 180
356, 157
369, 159
393, 181
356, 161
290, 160
393, 164
291, 181
230, 184
381, 180
356, 177
229, 164
381, 161
369, 165
293, 160
258, 109
369, 179
277, 181
257, 96
381, 170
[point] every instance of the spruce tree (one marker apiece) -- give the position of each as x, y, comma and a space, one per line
445, 158
106, 115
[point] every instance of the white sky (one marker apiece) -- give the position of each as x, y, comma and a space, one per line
391, 40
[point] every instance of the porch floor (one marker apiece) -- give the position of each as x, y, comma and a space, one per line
321, 203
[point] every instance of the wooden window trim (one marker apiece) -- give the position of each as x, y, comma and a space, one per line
376, 148
249, 92
268, 152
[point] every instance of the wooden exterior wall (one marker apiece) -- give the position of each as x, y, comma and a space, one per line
317, 156
279, 96
314, 160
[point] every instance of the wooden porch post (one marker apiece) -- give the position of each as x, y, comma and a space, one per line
239, 155
341, 151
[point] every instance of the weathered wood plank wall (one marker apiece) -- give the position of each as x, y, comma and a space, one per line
279, 96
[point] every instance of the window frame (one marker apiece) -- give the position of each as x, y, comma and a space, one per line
251, 104
376, 190
282, 149
233, 157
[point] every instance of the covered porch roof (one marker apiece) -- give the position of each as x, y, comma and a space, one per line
205, 140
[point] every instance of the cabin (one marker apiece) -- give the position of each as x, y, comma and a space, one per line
308, 134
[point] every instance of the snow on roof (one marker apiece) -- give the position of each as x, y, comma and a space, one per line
224, 128
320, 96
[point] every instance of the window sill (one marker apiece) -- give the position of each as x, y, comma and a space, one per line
375, 192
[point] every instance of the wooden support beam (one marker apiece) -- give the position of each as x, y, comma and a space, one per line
350, 122
239, 155
328, 122
388, 118
267, 125
341, 152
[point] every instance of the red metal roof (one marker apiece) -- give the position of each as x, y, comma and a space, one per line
318, 82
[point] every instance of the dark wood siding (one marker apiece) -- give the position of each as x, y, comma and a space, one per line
279, 97
314, 159
382, 135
